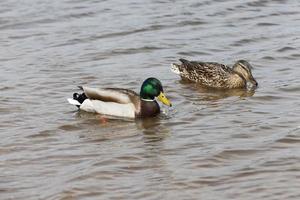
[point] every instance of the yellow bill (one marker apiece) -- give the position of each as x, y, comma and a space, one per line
164, 99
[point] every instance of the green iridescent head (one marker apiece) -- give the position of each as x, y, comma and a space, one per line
152, 88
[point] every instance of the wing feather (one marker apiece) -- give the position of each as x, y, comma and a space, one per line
206, 73
116, 95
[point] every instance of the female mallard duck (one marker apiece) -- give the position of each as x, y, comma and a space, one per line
216, 75
122, 102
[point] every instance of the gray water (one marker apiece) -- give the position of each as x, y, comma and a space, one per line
210, 145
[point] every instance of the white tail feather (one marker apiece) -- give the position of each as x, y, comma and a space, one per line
174, 68
74, 102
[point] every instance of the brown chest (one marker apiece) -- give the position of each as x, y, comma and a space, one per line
149, 109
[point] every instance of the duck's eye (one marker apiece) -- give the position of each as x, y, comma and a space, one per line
244, 67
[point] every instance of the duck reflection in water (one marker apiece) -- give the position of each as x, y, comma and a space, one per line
208, 94
153, 128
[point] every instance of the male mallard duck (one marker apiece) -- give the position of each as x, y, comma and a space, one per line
122, 102
216, 75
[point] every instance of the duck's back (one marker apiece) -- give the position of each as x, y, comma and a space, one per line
210, 74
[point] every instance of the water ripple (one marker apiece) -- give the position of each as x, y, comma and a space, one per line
211, 145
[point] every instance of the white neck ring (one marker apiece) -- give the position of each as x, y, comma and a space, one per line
148, 100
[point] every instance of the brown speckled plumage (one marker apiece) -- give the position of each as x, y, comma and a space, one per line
212, 74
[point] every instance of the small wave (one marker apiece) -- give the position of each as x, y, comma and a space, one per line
266, 24
284, 49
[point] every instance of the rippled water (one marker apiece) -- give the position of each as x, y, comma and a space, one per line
210, 145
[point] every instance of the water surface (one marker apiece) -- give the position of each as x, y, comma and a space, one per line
210, 145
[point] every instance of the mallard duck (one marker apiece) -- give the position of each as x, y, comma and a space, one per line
122, 102
216, 75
